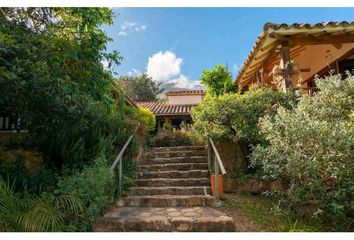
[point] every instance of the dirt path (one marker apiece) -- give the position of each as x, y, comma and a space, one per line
253, 213
234, 206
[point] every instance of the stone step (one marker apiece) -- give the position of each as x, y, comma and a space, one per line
173, 174
175, 148
139, 219
168, 201
171, 182
189, 159
169, 154
171, 167
149, 191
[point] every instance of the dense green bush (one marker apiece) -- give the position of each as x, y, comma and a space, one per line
235, 116
53, 78
143, 116
147, 119
174, 138
94, 185
312, 148
41, 180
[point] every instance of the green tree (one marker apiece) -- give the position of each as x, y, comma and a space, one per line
52, 77
218, 80
140, 88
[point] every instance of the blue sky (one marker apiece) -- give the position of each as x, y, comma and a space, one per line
176, 44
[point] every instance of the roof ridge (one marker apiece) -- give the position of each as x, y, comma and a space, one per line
277, 26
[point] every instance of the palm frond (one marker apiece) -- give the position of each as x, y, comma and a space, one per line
70, 203
33, 213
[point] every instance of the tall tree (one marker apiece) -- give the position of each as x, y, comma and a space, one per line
51, 72
140, 88
218, 80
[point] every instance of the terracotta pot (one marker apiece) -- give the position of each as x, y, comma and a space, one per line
221, 185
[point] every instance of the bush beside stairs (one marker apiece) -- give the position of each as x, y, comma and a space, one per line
171, 192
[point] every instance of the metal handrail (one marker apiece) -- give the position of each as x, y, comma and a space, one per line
217, 164
119, 161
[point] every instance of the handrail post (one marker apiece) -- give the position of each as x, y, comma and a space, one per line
216, 171
120, 177
209, 157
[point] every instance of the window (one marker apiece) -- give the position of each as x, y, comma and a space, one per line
346, 65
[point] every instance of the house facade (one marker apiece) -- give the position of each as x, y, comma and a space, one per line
290, 56
176, 110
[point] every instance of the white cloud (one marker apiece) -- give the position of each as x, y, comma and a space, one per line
235, 68
166, 67
105, 64
134, 72
122, 33
126, 25
140, 28
163, 66
183, 82
130, 26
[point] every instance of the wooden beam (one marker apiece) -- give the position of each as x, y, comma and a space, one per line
305, 69
327, 39
287, 70
337, 67
337, 45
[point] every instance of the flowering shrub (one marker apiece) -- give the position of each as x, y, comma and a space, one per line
312, 148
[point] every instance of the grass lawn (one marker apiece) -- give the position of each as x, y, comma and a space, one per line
254, 213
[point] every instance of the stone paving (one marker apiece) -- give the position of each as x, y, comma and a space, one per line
166, 219
170, 192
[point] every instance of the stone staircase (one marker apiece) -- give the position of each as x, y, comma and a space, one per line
171, 192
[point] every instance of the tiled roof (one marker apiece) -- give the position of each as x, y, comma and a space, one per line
276, 26
185, 92
266, 43
166, 109
129, 101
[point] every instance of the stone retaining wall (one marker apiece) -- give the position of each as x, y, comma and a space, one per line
232, 157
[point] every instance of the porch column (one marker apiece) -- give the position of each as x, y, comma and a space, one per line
287, 68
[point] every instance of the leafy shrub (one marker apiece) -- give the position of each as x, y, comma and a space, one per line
311, 147
16, 172
66, 100
32, 160
128, 174
94, 186
235, 116
34, 213
63, 95
176, 138
144, 116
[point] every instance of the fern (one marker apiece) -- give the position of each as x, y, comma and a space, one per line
33, 213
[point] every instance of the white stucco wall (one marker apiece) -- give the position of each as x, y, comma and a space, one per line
185, 99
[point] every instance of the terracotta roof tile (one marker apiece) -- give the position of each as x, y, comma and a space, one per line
283, 26
276, 26
185, 92
166, 109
